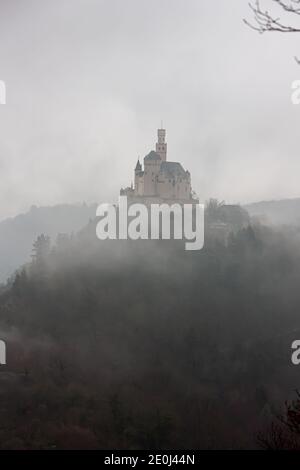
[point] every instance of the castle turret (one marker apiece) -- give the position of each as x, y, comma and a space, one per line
161, 146
138, 179
138, 167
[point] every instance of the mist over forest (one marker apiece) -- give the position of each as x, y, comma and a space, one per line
18, 233
143, 345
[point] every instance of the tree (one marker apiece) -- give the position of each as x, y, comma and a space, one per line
213, 208
268, 21
40, 250
20, 283
284, 434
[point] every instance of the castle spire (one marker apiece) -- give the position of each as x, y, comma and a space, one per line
138, 166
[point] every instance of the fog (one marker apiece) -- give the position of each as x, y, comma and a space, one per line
88, 83
143, 345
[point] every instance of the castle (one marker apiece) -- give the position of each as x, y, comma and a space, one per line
160, 180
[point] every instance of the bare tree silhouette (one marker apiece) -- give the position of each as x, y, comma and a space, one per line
284, 434
267, 20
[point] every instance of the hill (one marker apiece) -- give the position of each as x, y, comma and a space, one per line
17, 234
143, 345
282, 212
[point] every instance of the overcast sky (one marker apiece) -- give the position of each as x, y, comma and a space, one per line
89, 81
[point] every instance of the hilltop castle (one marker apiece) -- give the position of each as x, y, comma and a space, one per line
160, 180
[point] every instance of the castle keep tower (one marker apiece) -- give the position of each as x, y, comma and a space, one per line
161, 146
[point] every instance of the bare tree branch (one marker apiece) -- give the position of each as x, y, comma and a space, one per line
266, 21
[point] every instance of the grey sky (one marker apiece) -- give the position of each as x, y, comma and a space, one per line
88, 82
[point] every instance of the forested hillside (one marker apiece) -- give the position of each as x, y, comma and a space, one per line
282, 212
144, 345
17, 233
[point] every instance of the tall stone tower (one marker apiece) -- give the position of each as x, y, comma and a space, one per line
161, 146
